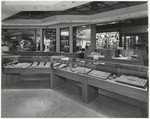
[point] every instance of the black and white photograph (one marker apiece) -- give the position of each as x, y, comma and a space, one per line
74, 59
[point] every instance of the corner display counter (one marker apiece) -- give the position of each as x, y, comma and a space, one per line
128, 83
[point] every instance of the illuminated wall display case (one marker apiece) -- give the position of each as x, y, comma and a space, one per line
129, 34
82, 38
18, 40
64, 40
28, 41
134, 41
108, 40
49, 36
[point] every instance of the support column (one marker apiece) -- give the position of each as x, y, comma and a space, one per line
89, 93
93, 36
57, 39
71, 39
35, 37
120, 38
41, 39
55, 80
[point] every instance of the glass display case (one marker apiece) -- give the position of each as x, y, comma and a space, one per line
26, 62
101, 70
91, 76
74, 65
135, 76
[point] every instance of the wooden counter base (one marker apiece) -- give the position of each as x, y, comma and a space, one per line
14, 75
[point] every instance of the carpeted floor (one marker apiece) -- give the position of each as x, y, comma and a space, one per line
35, 99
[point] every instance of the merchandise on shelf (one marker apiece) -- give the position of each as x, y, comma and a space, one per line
99, 74
82, 70
56, 64
62, 66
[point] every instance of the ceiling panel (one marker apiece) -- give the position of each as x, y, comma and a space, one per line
84, 9
130, 3
91, 12
105, 9
120, 5
87, 8
10, 8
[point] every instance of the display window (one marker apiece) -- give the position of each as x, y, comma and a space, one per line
108, 40
28, 40
19, 40
134, 41
82, 38
64, 40
49, 40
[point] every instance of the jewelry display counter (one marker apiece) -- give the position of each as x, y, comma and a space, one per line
125, 82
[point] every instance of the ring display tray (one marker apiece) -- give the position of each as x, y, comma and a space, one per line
41, 64
82, 70
48, 64
56, 64
35, 63
99, 74
22, 65
62, 66
132, 80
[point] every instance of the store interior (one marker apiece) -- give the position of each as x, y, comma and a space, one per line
74, 59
